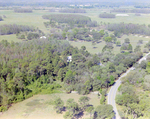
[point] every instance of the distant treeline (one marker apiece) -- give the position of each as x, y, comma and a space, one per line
131, 11
22, 10
106, 15
123, 28
52, 10
1, 19
68, 18
142, 6
13, 29
72, 11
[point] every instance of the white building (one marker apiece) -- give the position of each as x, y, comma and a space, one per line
43, 37
69, 59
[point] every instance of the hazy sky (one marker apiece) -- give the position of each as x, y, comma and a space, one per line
75, 1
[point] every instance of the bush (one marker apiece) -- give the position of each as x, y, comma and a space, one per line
3, 108
102, 100
21, 36
32, 35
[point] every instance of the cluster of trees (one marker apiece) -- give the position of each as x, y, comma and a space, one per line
68, 18
106, 15
72, 11
84, 34
22, 10
1, 19
76, 110
133, 95
131, 11
13, 29
130, 28
30, 35
126, 45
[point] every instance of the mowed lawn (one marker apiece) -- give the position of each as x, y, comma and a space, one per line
98, 47
38, 107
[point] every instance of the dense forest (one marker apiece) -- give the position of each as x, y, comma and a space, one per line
123, 28
106, 15
14, 29
72, 11
37, 66
22, 10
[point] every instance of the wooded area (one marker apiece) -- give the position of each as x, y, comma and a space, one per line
130, 28
14, 29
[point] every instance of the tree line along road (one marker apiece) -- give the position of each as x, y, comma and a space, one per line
113, 91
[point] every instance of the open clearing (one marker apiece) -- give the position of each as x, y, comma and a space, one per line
99, 46
38, 107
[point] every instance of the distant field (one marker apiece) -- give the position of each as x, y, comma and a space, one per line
31, 19
37, 107
143, 19
35, 19
99, 46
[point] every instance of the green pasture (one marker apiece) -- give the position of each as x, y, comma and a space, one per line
31, 19
41, 107
98, 47
94, 14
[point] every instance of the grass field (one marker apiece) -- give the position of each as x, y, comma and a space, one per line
31, 19
38, 107
35, 19
94, 13
99, 46
10, 38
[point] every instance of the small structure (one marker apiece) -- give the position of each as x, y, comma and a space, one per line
69, 59
43, 37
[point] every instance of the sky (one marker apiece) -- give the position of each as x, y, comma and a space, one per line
75, 1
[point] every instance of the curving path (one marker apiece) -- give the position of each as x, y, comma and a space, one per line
114, 88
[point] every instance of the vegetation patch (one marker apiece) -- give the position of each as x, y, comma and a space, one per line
68, 18
22, 10
14, 29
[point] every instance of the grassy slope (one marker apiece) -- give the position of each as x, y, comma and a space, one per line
37, 107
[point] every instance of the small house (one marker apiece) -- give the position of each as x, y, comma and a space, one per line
69, 59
